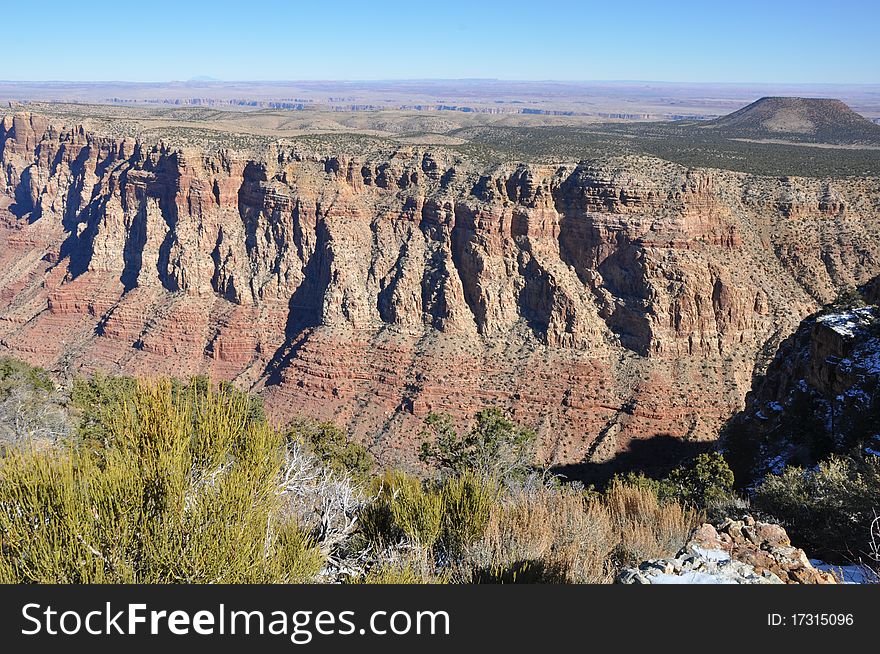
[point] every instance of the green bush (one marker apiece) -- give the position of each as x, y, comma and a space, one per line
848, 298
467, 503
705, 481
377, 528
450, 516
826, 510
495, 446
402, 508
91, 398
186, 482
31, 407
407, 572
536, 571
95, 397
418, 513
638, 480
332, 448
14, 373
181, 487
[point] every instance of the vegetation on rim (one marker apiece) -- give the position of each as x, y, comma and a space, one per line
185, 482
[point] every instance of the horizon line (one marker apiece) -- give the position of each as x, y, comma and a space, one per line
209, 80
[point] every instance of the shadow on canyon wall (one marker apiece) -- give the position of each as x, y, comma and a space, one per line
655, 457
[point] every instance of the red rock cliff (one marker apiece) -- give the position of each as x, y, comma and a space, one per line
598, 302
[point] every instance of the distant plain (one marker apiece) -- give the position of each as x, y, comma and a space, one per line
488, 120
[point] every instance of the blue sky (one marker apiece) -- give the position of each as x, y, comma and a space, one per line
706, 41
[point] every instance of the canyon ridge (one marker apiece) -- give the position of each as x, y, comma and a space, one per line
373, 275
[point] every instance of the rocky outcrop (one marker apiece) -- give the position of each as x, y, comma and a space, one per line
819, 395
736, 552
599, 302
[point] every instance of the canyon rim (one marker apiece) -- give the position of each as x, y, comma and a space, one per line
604, 301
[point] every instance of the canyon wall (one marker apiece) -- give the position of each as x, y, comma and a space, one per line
818, 396
598, 302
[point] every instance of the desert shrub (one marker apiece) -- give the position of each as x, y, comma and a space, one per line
522, 572
847, 298
644, 526
181, 487
467, 503
704, 482
332, 447
561, 534
403, 508
639, 480
92, 397
395, 574
827, 510
494, 446
431, 516
418, 513
377, 527
187, 482
407, 570
31, 408
326, 503
97, 396
549, 533
14, 373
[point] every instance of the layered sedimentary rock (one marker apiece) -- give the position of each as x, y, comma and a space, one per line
598, 302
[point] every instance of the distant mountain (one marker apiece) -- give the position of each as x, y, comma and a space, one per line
814, 120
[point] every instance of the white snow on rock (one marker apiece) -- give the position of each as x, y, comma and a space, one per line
736, 552
866, 357
691, 578
847, 323
710, 554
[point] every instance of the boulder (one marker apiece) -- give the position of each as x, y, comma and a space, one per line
734, 552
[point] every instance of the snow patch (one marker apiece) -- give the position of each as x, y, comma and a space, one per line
849, 574
690, 578
711, 555
866, 357
859, 395
847, 323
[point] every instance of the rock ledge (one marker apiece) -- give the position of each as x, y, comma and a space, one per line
735, 552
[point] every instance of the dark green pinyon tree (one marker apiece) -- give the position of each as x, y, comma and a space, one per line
494, 446
705, 481
332, 447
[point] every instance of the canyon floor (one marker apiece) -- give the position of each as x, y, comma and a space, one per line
614, 285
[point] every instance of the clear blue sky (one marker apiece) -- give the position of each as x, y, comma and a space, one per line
681, 41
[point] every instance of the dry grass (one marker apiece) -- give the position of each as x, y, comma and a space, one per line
562, 535
644, 527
